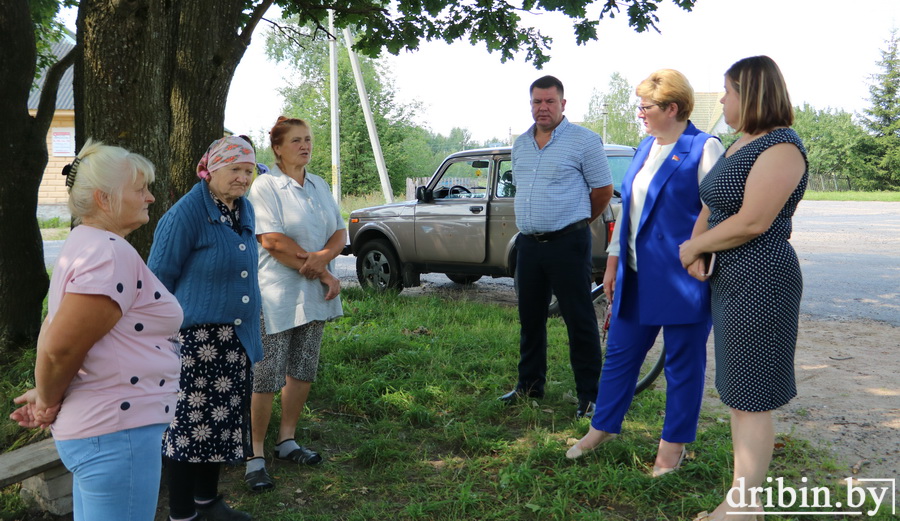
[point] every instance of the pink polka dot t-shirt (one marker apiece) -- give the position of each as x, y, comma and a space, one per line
130, 376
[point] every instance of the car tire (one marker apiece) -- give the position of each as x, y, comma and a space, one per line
462, 278
377, 266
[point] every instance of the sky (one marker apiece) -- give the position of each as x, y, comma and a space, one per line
826, 49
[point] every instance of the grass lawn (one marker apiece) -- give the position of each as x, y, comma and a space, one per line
852, 196
406, 415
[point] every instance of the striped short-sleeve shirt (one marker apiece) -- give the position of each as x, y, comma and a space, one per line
553, 184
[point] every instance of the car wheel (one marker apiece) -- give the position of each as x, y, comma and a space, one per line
462, 278
377, 266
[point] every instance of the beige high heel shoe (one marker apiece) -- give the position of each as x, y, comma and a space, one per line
576, 451
662, 471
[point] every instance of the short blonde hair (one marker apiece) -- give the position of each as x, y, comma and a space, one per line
765, 103
667, 86
108, 169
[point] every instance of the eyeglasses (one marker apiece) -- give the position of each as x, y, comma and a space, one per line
644, 108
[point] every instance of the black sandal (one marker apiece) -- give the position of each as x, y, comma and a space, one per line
259, 480
302, 455
218, 510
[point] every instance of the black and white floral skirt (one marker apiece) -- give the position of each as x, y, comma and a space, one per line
212, 417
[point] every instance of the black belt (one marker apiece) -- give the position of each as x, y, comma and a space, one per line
549, 236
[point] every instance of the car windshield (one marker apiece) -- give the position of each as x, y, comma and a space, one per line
618, 165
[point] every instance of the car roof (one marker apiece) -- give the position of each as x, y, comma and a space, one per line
610, 148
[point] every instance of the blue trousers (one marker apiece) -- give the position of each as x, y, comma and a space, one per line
115, 477
561, 266
685, 369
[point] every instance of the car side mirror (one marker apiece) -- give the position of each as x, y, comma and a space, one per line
424, 195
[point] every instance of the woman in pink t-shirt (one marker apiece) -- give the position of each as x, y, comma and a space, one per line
107, 374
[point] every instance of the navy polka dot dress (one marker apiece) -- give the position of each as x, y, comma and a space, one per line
756, 289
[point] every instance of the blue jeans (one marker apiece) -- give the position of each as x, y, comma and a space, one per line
115, 477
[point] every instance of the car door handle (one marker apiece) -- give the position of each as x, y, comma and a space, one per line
476, 209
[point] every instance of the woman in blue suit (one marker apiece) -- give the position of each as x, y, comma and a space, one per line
660, 204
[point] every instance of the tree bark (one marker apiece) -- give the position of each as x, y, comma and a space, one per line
154, 80
23, 146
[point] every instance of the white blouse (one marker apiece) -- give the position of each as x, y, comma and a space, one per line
307, 214
712, 150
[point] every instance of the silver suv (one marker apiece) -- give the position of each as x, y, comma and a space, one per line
462, 224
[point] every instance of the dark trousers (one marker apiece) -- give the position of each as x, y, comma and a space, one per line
561, 266
188, 481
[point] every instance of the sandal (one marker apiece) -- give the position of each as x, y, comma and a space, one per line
259, 480
302, 455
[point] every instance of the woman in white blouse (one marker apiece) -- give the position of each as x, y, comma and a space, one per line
300, 231
660, 204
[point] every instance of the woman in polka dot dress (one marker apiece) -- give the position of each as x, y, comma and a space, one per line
749, 198
106, 372
204, 251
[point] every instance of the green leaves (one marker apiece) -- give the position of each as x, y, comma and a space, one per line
616, 109
882, 120
404, 24
47, 29
830, 137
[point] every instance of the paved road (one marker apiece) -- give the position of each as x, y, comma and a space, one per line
849, 253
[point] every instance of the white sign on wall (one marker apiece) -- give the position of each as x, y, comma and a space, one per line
63, 141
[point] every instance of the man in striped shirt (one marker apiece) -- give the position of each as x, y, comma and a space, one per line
563, 182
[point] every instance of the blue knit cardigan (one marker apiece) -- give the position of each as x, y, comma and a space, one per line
209, 268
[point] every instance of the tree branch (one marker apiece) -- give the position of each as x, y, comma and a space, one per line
47, 104
291, 34
255, 17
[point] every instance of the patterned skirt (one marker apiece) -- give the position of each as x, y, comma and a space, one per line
212, 416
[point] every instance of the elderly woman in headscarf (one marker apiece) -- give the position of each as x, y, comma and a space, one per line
205, 253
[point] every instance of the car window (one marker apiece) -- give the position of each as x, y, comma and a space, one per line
505, 186
618, 165
463, 179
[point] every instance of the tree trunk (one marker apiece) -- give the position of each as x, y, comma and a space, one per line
23, 278
154, 80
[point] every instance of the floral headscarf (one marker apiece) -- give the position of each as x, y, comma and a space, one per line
224, 152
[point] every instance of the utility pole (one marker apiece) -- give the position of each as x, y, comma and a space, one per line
370, 121
335, 113
605, 113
